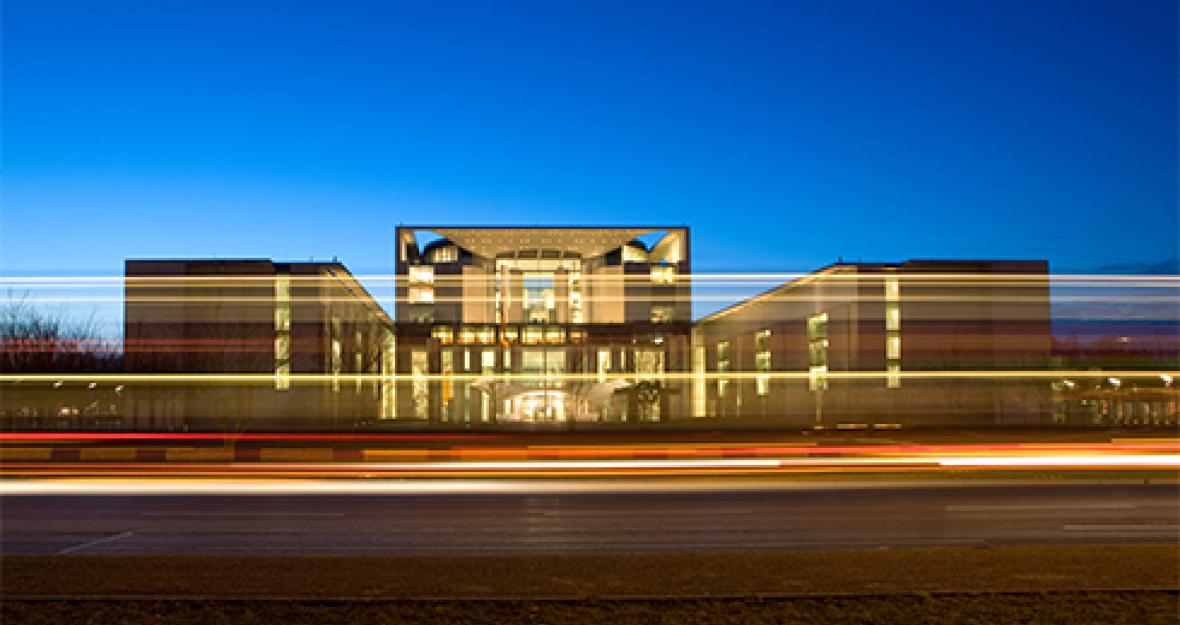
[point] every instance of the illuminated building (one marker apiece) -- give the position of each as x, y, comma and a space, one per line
564, 327
542, 325
919, 343
258, 325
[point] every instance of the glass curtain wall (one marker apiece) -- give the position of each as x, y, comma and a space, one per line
549, 285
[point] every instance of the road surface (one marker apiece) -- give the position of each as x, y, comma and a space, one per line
606, 519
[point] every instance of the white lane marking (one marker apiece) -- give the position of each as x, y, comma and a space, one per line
97, 541
1063, 506
1120, 528
262, 514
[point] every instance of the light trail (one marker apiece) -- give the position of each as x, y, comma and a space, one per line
482, 485
942, 278
195, 486
329, 378
838, 461
1162, 461
1165, 461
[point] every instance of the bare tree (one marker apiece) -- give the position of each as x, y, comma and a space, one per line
36, 341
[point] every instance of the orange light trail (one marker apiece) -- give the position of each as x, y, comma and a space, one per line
633, 460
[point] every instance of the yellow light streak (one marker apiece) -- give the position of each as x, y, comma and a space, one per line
940, 279
326, 378
1139, 460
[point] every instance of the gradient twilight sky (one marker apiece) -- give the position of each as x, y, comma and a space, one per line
784, 133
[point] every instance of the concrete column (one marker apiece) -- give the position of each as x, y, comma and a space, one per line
514, 297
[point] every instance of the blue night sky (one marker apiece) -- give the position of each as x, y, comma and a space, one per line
785, 134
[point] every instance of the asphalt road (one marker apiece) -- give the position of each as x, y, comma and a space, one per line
672, 521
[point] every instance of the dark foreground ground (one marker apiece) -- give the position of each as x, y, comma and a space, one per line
1074, 608
1059, 584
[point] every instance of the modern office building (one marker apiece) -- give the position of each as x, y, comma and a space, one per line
919, 343
234, 345
565, 327
542, 325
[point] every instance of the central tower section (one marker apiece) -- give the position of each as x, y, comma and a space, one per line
543, 324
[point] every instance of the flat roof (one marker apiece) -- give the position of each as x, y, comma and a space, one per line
588, 241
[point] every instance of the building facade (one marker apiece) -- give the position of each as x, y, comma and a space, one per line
579, 327
919, 343
542, 325
235, 345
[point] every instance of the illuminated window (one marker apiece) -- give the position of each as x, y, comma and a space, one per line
817, 326
892, 289
539, 297
358, 366
337, 353
282, 331
421, 295
603, 363
722, 367
444, 334
892, 332
763, 364
421, 275
388, 373
762, 341
282, 368
649, 363
446, 363
447, 254
663, 274
817, 351
575, 291
420, 389
663, 314
818, 378
700, 399
762, 360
